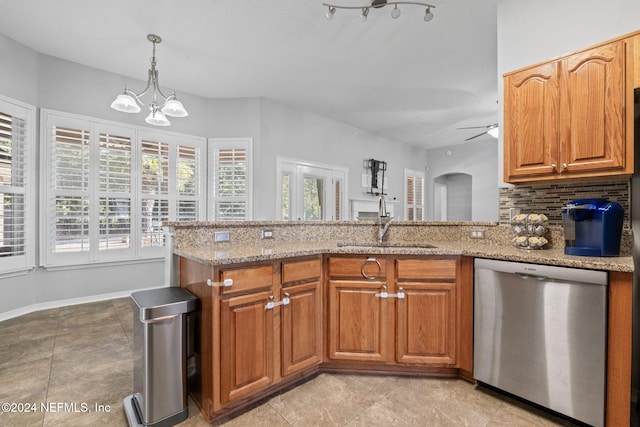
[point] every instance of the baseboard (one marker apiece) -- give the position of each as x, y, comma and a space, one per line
68, 302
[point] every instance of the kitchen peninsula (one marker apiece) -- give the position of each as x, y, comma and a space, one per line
325, 296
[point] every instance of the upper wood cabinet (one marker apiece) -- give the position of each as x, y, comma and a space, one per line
572, 117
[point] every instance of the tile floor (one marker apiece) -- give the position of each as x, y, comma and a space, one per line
68, 360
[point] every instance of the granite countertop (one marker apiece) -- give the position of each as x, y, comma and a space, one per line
234, 253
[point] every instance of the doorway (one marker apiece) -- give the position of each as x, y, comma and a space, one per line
452, 197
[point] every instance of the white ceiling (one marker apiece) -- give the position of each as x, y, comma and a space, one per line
409, 80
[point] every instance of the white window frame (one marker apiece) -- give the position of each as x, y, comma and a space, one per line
230, 143
21, 263
416, 175
135, 252
292, 166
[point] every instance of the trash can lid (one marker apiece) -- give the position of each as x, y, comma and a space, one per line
156, 303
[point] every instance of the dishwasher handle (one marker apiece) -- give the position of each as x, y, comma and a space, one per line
531, 276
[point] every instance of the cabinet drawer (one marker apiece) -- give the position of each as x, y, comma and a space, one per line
247, 278
358, 267
301, 271
426, 269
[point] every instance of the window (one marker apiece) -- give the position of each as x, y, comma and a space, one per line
414, 191
230, 186
110, 187
309, 191
17, 186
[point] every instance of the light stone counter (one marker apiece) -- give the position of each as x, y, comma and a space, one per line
245, 252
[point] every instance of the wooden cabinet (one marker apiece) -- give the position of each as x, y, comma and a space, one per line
302, 318
357, 315
426, 329
405, 311
246, 345
572, 117
260, 333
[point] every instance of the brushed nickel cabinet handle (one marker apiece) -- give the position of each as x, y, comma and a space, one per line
365, 262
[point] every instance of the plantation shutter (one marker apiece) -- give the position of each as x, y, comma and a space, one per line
155, 191
70, 190
114, 192
414, 197
230, 195
188, 183
13, 184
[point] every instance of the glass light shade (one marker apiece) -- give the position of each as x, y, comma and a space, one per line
125, 103
428, 16
395, 13
157, 119
174, 108
494, 132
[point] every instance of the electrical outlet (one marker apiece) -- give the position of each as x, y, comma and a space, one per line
267, 234
221, 236
476, 233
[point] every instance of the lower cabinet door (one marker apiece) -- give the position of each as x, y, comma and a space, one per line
426, 324
246, 345
356, 319
301, 327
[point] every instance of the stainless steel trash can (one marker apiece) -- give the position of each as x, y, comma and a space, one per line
160, 334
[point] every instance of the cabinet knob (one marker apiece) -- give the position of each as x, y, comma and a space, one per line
564, 166
553, 166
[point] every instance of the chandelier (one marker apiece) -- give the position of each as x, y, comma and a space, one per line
130, 102
378, 4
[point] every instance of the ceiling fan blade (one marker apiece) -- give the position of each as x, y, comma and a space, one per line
475, 127
473, 137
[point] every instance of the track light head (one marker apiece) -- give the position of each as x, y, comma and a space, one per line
330, 13
364, 14
428, 16
395, 13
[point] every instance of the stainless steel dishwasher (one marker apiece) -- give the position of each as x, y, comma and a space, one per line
540, 333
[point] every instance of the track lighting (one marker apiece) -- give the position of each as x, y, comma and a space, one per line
377, 4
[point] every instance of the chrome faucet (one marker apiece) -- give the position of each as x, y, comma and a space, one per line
384, 221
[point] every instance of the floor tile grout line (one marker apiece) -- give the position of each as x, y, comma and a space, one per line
53, 351
124, 329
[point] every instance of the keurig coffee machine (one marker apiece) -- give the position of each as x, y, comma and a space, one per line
592, 227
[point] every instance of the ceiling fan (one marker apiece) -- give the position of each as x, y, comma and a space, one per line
490, 129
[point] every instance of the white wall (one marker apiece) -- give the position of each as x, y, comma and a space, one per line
477, 159
298, 134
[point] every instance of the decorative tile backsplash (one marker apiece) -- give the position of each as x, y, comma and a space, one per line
550, 198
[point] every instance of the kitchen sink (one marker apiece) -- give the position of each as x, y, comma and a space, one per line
387, 245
